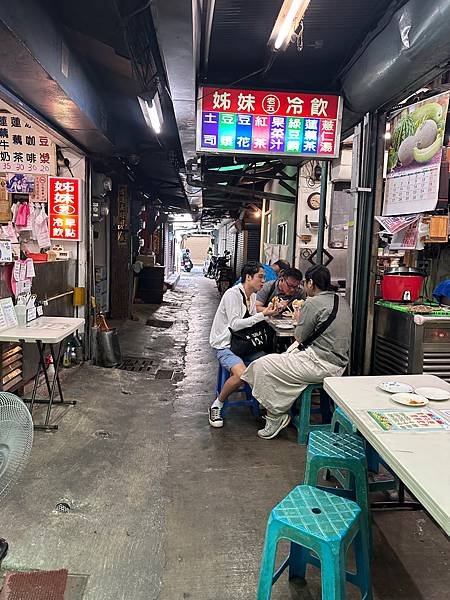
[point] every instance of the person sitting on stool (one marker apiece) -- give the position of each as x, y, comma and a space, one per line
230, 315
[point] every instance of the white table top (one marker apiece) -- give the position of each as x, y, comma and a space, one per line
50, 330
419, 458
282, 331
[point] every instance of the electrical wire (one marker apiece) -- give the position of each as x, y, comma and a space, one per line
262, 70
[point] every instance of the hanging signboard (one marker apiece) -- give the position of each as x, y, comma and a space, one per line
231, 121
414, 157
24, 147
64, 208
122, 215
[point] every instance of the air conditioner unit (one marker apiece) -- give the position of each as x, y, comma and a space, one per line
341, 168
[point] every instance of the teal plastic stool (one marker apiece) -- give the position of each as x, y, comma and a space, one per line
338, 451
302, 421
316, 522
340, 423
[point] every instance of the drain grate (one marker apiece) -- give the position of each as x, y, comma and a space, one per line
164, 374
137, 364
103, 435
159, 323
63, 507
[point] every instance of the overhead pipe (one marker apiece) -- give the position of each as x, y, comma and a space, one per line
322, 212
409, 51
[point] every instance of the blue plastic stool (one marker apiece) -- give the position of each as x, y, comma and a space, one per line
316, 522
340, 423
249, 401
338, 451
302, 420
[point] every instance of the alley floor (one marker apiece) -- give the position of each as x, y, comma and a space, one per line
161, 506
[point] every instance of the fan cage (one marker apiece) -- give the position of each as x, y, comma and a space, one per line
16, 439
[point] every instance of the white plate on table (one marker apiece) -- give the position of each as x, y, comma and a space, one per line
282, 325
396, 387
412, 400
433, 393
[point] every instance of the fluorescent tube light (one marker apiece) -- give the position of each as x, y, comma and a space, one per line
288, 19
151, 109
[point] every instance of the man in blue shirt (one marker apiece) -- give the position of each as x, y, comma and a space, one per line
272, 272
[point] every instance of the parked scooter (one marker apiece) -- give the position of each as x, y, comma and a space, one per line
186, 261
212, 267
224, 273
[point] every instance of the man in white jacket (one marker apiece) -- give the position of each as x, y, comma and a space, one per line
231, 315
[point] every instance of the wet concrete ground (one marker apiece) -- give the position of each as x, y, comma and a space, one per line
163, 506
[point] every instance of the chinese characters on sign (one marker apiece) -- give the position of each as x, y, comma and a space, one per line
260, 122
64, 208
24, 147
122, 215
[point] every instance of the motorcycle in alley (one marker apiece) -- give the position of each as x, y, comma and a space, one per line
210, 271
224, 275
187, 262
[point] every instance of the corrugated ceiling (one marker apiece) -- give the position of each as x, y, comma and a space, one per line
332, 33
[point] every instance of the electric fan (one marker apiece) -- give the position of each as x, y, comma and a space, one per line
16, 439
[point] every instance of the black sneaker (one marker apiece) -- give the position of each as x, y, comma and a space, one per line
215, 416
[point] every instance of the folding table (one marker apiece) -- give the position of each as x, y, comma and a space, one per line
45, 331
420, 459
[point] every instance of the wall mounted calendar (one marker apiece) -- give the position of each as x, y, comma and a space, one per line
415, 156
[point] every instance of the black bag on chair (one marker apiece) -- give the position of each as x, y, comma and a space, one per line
257, 338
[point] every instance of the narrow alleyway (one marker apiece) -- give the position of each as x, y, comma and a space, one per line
162, 506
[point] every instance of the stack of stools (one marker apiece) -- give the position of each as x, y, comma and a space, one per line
302, 420
249, 401
340, 423
321, 527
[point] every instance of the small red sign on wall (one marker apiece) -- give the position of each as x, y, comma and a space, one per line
64, 208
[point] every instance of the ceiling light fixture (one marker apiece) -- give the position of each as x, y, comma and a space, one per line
288, 20
151, 109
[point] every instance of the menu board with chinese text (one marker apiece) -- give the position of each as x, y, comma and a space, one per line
24, 147
270, 123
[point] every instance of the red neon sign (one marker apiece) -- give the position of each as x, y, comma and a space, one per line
64, 208
264, 122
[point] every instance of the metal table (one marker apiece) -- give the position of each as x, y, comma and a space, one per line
45, 331
419, 458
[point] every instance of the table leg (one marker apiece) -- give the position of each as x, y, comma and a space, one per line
61, 397
52, 388
400, 504
41, 367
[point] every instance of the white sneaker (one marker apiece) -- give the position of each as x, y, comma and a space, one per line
273, 426
215, 416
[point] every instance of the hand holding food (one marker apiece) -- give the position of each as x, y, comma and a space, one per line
271, 311
298, 303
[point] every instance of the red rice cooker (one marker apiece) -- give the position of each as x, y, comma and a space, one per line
402, 284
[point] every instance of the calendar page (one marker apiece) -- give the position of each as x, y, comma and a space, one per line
409, 420
414, 157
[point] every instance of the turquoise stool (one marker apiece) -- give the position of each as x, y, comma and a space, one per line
341, 423
249, 400
338, 451
302, 421
316, 522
